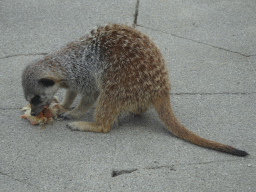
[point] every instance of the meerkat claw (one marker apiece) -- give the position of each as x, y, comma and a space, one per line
64, 116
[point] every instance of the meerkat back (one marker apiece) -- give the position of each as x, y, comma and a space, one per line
135, 71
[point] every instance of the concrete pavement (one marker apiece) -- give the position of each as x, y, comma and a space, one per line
210, 50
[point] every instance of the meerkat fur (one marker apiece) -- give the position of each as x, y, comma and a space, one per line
117, 67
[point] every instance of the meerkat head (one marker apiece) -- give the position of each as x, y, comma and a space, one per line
41, 95
38, 89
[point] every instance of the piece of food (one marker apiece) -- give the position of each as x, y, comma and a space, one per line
46, 115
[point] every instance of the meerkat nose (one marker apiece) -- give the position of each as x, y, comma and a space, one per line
32, 113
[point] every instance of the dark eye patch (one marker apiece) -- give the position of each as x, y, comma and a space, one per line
36, 100
46, 82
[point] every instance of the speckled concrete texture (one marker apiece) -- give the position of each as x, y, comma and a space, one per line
210, 50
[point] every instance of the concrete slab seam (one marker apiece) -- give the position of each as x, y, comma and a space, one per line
251, 64
174, 35
136, 14
19, 180
18, 55
221, 93
119, 172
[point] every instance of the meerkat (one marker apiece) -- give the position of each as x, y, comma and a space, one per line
117, 67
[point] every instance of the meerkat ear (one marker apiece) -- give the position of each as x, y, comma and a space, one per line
46, 82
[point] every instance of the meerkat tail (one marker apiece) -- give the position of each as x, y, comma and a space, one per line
164, 110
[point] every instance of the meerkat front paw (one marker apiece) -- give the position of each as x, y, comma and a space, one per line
67, 116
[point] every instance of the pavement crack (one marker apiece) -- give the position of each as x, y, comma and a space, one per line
19, 180
196, 41
217, 161
136, 14
248, 59
116, 173
11, 108
163, 166
18, 55
5, 174
251, 55
221, 93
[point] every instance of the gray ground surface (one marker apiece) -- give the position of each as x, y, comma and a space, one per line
210, 50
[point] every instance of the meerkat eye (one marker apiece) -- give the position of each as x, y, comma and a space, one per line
36, 100
46, 82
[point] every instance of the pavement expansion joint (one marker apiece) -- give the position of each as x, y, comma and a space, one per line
116, 173
120, 172
221, 93
19, 180
252, 66
18, 55
136, 14
178, 36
